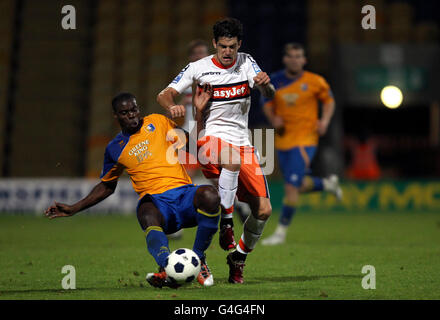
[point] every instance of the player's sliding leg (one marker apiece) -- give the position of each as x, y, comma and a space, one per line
158, 248
151, 221
227, 186
207, 204
252, 231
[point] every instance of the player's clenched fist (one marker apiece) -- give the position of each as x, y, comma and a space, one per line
262, 79
177, 111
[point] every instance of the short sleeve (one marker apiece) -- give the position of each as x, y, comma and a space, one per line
252, 69
184, 79
174, 134
111, 169
164, 121
325, 94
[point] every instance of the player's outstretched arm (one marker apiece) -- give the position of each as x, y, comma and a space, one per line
101, 191
166, 98
262, 81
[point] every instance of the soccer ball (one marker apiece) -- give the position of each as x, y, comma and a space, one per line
182, 266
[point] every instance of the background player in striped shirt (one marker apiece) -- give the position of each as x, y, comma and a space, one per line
293, 112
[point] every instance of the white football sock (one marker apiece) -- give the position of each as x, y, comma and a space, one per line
252, 231
326, 184
281, 229
227, 187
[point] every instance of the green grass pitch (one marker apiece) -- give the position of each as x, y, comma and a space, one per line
322, 259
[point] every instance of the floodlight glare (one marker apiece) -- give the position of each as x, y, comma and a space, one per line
391, 97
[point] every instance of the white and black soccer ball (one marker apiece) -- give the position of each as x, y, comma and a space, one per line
182, 266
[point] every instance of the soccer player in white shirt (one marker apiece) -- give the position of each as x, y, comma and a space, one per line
225, 150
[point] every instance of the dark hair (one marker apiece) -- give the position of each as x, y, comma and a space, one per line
293, 46
196, 43
229, 28
119, 98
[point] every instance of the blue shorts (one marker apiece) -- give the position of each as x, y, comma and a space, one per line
177, 207
295, 163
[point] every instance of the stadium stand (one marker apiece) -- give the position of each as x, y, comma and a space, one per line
51, 86
7, 7
139, 47
102, 83
67, 78
399, 22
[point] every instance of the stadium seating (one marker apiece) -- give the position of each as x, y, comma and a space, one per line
103, 78
132, 45
139, 47
7, 7
426, 32
399, 22
319, 34
49, 98
348, 17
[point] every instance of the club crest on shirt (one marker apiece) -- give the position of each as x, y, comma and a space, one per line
304, 86
150, 127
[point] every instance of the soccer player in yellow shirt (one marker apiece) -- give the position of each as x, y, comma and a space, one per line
168, 201
293, 112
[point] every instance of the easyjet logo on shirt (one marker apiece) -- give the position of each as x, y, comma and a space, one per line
231, 91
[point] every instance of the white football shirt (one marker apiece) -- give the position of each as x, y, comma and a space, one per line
226, 115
